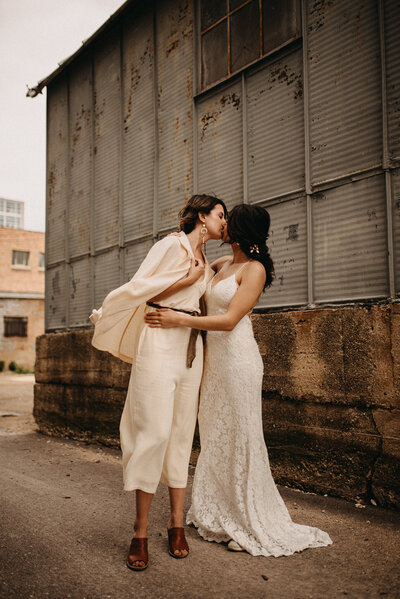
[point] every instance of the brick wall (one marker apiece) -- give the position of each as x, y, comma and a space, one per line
13, 279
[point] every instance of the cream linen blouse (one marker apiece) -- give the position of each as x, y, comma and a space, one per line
120, 320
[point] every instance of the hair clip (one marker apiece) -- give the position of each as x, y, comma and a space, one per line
254, 248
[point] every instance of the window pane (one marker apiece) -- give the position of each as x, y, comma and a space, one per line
12, 222
1, 205
245, 36
214, 54
15, 326
211, 12
280, 22
1, 221
41, 259
11, 207
20, 258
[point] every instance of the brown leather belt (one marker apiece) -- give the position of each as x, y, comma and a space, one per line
191, 349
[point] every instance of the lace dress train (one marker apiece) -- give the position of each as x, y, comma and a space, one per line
234, 495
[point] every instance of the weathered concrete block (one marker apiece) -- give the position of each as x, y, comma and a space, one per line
331, 396
386, 481
321, 447
337, 355
367, 356
69, 358
388, 425
79, 412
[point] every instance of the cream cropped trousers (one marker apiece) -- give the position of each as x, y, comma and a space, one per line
159, 417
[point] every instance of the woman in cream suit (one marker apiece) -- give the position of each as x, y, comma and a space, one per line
159, 416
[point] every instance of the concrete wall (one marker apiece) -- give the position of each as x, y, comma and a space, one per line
331, 405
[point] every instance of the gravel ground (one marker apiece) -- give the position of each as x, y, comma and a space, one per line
66, 526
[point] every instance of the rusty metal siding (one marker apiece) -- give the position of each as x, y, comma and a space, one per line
107, 141
350, 249
220, 139
174, 47
345, 94
57, 160
131, 144
396, 225
275, 130
80, 93
106, 274
56, 280
288, 247
392, 35
79, 292
220, 150
138, 127
134, 256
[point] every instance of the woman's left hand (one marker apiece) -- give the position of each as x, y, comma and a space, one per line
162, 318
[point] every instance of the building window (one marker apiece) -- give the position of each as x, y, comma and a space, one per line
20, 258
14, 207
13, 222
11, 214
41, 259
235, 33
15, 326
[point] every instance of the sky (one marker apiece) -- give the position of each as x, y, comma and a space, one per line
35, 35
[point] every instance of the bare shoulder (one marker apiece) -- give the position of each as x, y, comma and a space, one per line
254, 270
219, 262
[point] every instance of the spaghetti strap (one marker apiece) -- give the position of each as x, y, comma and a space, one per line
242, 267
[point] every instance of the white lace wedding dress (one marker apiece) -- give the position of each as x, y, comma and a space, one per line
234, 495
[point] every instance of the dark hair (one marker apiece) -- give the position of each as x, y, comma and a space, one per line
197, 203
249, 226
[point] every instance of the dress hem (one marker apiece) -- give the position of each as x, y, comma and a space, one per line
264, 553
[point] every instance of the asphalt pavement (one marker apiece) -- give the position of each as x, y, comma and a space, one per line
66, 525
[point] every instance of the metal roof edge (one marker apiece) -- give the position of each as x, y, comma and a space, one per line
32, 92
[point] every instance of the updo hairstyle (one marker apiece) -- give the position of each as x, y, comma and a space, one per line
189, 214
249, 226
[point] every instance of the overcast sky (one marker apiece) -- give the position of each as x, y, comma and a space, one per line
34, 36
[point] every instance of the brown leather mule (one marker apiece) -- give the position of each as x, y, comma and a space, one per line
177, 542
138, 553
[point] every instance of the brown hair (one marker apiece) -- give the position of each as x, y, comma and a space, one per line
249, 227
197, 203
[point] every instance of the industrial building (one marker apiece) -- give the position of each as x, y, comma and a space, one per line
291, 105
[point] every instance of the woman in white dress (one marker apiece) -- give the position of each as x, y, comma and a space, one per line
234, 496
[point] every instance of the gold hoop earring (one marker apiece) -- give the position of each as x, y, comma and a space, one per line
203, 233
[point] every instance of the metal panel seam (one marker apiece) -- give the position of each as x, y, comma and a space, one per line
121, 156
196, 63
307, 160
92, 199
67, 198
245, 180
156, 139
385, 148
46, 237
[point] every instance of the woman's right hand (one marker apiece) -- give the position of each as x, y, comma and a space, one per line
196, 270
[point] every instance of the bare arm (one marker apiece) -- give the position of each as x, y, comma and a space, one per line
246, 297
195, 271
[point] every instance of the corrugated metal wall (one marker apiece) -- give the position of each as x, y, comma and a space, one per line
57, 192
304, 133
174, 81
391, 24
